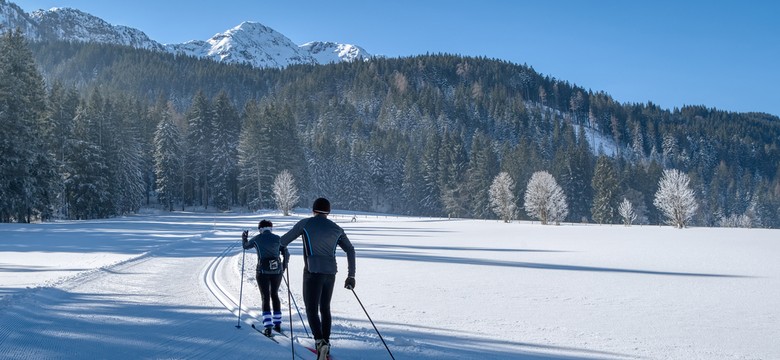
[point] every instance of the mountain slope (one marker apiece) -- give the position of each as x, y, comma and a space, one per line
13, 17
75, 25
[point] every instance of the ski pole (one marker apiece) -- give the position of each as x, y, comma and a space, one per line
241, 291
372, 324
289, 310
289, 296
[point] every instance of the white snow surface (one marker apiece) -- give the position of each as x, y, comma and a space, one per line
167, 285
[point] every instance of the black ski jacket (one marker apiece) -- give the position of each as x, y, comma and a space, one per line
320, 238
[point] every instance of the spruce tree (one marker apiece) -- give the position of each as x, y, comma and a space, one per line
167, 158
26, 165
225, 127
199, 159
606, 190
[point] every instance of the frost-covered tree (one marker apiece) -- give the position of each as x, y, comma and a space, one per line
544, 199
285, 192
502, 196
167, 157
675, 199
626, 211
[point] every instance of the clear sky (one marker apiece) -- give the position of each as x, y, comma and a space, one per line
719, 53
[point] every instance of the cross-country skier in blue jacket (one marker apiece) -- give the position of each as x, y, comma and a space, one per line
269, 272
320, 238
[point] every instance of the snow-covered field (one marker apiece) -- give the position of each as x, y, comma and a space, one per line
167, 286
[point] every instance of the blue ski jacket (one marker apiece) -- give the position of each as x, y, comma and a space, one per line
268, 247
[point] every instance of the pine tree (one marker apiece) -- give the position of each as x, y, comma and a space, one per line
87, 180
128, 184
224, 157
26, 166
452, 165
254, 156
605, 187
429, 169
167, 158
482, 168
199, 160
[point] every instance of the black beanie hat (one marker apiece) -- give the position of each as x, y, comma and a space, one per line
321, 205
264, 224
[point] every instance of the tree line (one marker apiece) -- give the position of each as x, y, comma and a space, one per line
423, 135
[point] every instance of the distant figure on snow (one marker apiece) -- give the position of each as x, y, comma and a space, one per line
269, 271
320, 238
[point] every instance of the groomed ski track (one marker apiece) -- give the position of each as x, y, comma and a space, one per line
214, 275
141, 307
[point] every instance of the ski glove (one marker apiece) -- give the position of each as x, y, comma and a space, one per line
350, 283
244, 235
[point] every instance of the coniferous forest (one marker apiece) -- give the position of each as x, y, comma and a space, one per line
92, 131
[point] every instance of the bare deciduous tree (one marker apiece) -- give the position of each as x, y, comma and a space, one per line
502, 196
544, 199
285, 192
675, 198
626, 211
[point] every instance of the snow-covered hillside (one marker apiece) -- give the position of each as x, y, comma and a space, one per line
250, 42
167, 286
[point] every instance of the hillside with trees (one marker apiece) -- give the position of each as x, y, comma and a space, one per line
101, 130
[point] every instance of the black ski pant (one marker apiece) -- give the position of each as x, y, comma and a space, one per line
317, 293
269, 290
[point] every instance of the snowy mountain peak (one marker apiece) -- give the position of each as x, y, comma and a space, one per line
248, 43
255, 44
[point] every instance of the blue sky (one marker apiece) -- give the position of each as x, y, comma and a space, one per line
722, 54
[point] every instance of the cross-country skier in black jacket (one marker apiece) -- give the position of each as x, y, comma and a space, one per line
269, 272
320, 238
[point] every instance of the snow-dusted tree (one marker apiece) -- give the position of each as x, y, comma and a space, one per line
675, 199
544, 198
626, 211
502, 196
167, 161
285, 192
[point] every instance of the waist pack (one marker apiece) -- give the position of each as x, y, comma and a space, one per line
271, 265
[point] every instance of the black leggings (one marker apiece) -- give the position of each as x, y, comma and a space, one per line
317, 292
269, 290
